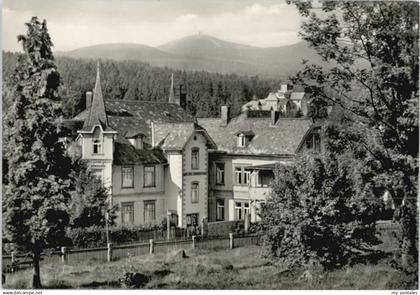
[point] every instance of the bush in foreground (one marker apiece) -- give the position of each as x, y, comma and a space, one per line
318, 213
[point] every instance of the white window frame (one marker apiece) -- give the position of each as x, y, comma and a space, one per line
220, 204
242, 176
126, 168
146, 214
220, 173
97, 144
153, 173
238, 209
195, 158
195, 192
241, 140
130, 220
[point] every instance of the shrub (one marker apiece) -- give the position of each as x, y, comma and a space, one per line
95, 236
318, 213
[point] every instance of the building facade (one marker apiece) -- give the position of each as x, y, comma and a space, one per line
160, 162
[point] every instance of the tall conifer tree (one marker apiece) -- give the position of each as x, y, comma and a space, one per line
37, 195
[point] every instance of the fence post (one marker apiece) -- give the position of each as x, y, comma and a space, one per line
152, 247
231, 242
63, 254
13, 260
109, 256
193, 242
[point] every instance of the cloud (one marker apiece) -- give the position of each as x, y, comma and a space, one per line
261, 10
187, 18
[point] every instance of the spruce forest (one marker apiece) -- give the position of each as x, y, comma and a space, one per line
132, 80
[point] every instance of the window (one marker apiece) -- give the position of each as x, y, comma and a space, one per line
242, 176
149, 212
149, 176
317, 142
97, 146
238, 210
241, 209
241, 140
192, 219
265, 178
220, 173
127, 177
238, 175
194, 192
314, 142
246, 209
246, 173
127, 213
220, 209
194, 158
97, 143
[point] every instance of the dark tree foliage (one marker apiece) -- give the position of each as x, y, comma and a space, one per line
322, 210
373, 50
89, 199
130, 80
37, 192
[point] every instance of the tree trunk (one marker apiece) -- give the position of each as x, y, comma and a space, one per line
36, 279
409, 247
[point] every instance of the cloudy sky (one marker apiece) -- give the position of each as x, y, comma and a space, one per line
77, 23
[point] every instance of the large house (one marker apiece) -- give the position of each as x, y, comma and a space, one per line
160, 162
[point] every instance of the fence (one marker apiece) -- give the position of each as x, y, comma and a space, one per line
115, 252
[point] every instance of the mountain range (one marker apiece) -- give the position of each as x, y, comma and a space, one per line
207, 53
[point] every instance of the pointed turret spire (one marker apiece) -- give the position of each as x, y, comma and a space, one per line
172, 90
97, 114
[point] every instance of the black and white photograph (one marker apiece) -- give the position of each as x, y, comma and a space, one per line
209, 145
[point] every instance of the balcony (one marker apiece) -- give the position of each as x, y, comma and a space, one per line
259, 193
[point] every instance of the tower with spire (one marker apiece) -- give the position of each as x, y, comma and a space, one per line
179, 99
172, 91
96, 137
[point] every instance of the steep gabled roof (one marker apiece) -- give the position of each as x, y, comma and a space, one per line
132, 116
174, 136
96, 115
281, 139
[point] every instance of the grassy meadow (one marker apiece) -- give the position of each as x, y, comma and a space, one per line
240, 268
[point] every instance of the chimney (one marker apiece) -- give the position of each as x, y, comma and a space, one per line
88, 99
283, 88
224, 114
274, 117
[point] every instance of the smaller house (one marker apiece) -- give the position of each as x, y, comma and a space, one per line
287, 101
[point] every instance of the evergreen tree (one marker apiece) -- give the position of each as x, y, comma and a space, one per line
89, 200
37, 194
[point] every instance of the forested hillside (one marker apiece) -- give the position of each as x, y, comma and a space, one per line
130, 80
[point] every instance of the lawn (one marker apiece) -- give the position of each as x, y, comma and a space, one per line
241, 268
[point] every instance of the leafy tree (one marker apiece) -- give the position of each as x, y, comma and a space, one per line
37, 193
372, 48
322, 210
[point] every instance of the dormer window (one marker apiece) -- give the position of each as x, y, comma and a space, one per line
136, 140
244, 137
241, 140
